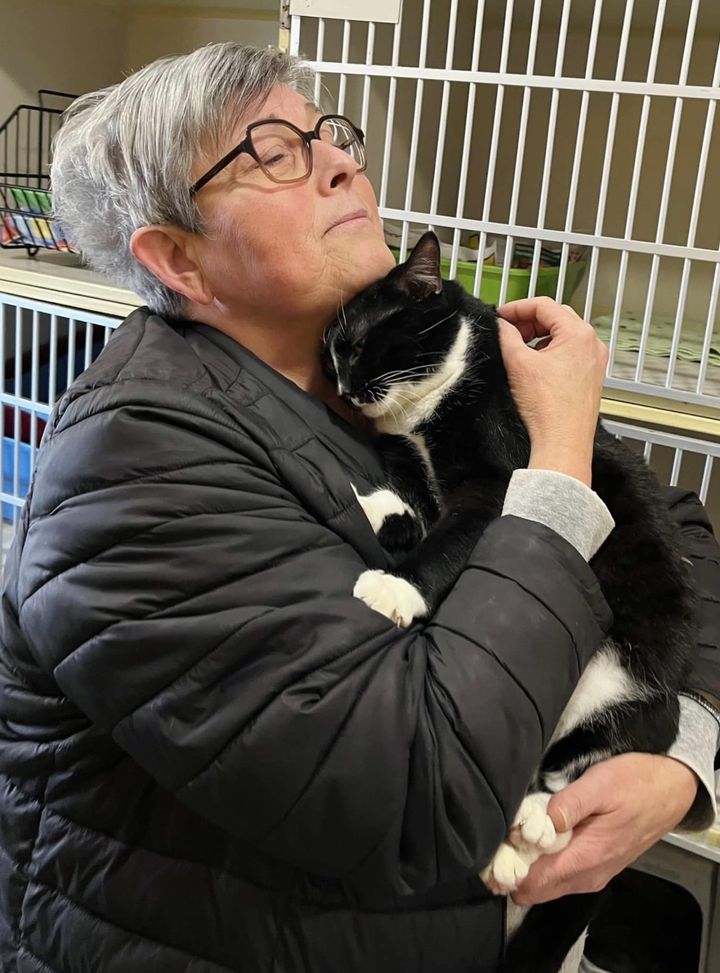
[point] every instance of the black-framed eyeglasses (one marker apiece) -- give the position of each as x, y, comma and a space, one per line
283, 153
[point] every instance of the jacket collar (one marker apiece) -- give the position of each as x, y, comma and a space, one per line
350, 447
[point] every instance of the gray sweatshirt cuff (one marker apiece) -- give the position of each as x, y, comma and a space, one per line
697, 742
563, 504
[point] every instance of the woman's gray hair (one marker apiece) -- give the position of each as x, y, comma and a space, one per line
123, 157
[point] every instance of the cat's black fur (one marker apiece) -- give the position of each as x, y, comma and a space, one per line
401, 330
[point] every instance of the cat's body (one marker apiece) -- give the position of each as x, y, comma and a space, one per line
422, 358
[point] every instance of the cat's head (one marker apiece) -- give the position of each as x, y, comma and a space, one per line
402, 338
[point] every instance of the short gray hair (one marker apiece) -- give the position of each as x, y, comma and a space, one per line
124, 155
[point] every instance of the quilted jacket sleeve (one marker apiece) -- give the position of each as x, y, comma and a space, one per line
703, 551
186, 602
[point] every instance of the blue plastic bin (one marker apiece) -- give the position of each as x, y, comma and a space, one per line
23, 456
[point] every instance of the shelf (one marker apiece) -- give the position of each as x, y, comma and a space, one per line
697, 844
60, 279
235, 9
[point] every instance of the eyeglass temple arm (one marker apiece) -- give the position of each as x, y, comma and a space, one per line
219, 166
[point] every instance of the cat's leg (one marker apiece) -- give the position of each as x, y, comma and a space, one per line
586, 732
396, 524
401, 512
398, 530
414, 589
609, 713
424, 577
548, 932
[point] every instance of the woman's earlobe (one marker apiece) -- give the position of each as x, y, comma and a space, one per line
169, 254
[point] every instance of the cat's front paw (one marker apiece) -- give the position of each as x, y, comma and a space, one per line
508, 868
533, 826
393, 597
532, 835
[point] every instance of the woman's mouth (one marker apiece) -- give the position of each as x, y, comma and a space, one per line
353, 218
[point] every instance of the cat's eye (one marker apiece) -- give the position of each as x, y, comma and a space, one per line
358, 347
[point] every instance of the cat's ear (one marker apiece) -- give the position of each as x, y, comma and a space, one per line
420, 276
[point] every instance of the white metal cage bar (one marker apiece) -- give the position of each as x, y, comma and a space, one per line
521, 139
607, 158
367, 80
417, 114
635, 183
678, 447
467, 135
521, 80
494, 139
667, 183
392, 94
437, 174
692, 230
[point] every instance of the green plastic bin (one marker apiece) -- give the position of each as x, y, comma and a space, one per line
518, 280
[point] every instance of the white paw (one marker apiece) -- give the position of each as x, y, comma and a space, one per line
534, 825
508, 868
380, 505
393, 597
534, 835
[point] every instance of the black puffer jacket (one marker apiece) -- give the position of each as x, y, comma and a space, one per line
212, 757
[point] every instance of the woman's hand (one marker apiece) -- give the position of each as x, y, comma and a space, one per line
618, 808
557, 387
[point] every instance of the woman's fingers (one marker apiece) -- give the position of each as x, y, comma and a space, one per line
557, 386
538, 316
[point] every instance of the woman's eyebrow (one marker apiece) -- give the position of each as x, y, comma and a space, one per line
310, 106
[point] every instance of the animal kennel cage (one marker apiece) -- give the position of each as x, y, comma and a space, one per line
44, 347
549, 134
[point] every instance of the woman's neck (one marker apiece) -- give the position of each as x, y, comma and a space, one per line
297, 357
318, 384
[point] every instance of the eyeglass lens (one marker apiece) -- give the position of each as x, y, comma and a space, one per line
284, 155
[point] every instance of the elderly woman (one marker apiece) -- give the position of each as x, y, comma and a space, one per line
213, 757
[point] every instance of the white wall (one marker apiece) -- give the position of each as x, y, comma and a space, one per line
80, 45
72, 47
153, 33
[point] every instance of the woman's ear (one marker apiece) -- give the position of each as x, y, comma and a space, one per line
169, 253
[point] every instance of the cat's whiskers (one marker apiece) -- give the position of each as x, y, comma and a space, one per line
341, 317
410, 373
399, 395
438, 323
386, 376
415, 370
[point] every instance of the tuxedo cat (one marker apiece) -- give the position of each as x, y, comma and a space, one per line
421, 357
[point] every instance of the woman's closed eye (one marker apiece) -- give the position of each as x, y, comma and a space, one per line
274, 158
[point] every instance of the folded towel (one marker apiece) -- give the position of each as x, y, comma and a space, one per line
660, 336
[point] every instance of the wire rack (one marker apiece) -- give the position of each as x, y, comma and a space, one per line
26, 220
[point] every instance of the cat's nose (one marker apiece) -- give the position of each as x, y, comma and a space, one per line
342, 390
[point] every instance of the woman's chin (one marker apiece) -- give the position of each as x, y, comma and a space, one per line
374, 262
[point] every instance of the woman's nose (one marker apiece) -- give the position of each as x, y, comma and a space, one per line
333, 166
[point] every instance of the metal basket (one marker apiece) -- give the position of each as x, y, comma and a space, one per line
26, 220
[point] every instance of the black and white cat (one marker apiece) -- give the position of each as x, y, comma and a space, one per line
421, 358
